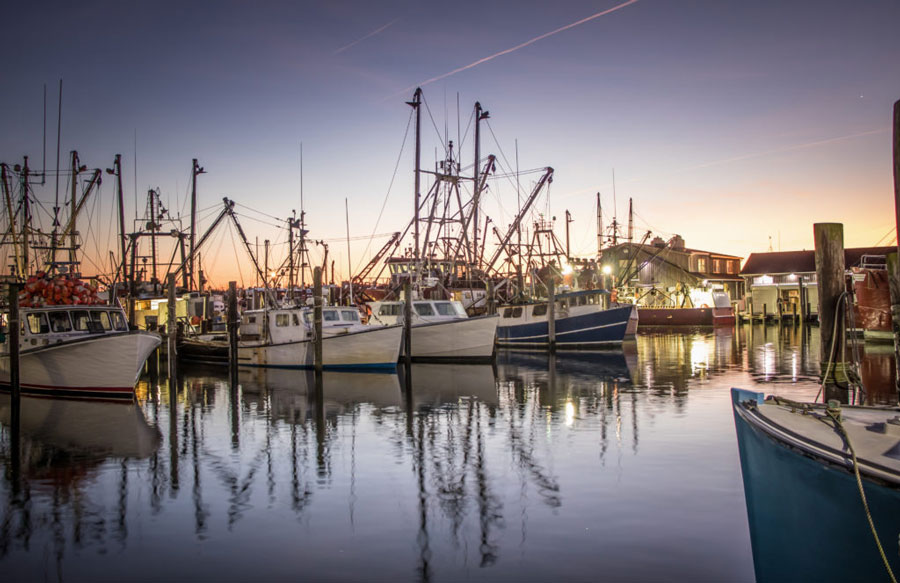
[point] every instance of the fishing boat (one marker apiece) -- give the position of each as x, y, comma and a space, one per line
580, 321
283, 338
822, 487
707, 308
441, 330
84, 351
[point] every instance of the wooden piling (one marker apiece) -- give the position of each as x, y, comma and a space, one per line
232, 327
804, 311
893, 274
551, 314
829, 241
407, 322
317, 319
172, 331
13, 326
491, 305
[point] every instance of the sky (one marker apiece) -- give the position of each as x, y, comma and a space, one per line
736, 125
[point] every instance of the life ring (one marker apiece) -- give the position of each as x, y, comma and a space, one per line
704, 306
195, 320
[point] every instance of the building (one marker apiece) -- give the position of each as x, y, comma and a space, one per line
667, 266
775, 282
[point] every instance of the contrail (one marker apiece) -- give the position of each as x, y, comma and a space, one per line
359, 40
520, 46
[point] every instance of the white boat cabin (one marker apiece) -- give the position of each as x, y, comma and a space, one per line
424, 311
53, 324
568, 304
296, 324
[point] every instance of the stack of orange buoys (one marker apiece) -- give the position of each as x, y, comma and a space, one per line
44, 289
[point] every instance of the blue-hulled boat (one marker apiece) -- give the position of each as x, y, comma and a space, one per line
807, 517
582, 320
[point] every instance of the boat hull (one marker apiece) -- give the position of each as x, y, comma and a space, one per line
686, 316
463, 340
802, 509
97, 367
376, 349
589, 330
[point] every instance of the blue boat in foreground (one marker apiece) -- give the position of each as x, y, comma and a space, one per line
808, 520
582, 321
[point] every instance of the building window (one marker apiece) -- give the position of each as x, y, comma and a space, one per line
717, 266
729, 266
701, 264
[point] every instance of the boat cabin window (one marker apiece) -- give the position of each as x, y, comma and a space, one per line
295, 319
389, 310
445, 309
59, 322
101, 318
251, 319
507, 313
424, 309
81, 318
118, 320
539, 310
517, 312
37, 323
282, 320
330, 316
350, 315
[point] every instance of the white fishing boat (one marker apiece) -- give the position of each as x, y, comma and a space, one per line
441, 330
283, 338
84, 351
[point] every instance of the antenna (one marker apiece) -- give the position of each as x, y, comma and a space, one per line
44, 141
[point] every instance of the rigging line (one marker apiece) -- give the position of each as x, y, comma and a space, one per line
282, 227
496, 141
259, 211
433, 123
388, 193
886, 235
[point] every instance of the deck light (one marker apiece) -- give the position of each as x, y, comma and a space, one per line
607, 269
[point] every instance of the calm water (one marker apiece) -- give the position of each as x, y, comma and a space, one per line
619, 466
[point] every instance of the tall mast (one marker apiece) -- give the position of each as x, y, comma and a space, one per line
154, 229
479, 115
415, 103
303, 253
568, 248
630, 221
349, 263
117, 170
292, 222
195, 170
599, 226
72, 239
26, 218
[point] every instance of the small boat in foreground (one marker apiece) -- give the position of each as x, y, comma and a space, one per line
83, 351
804, 484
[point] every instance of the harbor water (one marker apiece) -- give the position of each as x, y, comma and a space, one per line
619, 465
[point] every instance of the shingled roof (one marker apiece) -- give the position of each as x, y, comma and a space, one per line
803, 261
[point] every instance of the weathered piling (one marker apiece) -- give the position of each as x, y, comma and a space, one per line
317, 319
13, 325
232, 333
172, 330
829, 241
491, 304
551, 314
804, 308
893, 274
407, 322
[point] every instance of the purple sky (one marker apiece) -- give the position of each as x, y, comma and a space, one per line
729, 123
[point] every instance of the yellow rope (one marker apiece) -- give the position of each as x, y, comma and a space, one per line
835, 416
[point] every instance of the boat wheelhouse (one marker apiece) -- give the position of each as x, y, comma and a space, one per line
582, 319
84, 351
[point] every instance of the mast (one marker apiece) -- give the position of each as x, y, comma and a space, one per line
630, 221
599, 226
349, 263
117, 170
195, 170
291, 224
72, 238
415, 103
479, 115
568, 220
26, 217
154, 228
